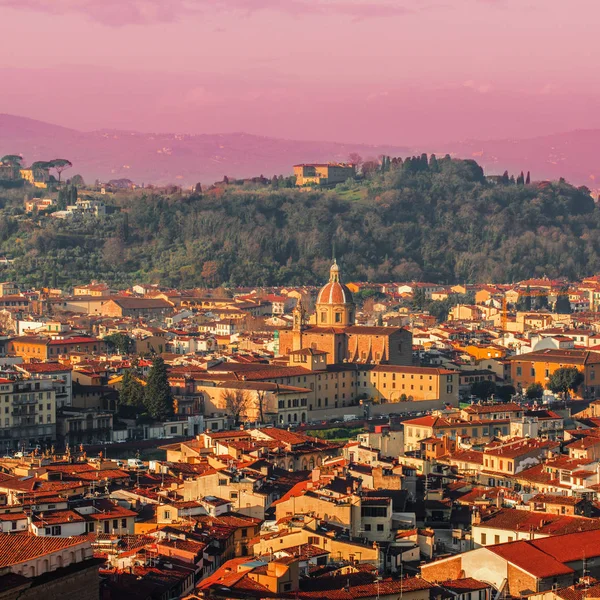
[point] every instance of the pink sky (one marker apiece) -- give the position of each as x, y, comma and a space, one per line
424, 71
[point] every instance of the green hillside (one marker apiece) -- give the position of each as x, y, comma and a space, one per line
439, 219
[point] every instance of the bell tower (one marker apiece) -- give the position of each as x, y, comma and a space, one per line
297, 323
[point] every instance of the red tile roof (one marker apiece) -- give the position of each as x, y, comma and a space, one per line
530, 559
16, 549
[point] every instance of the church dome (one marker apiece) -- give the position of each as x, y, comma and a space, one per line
334, 292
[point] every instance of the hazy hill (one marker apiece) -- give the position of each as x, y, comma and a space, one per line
180, 158
571, 155
169, 157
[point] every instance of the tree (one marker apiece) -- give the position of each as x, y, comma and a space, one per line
370, 166
198, 188
131, 392
40, 165
528, 178
483, 389
505, 178
158, 398
506, 392
236, 403
120, 342
355, 159
14, 160
77, 180
60, 165
565, 379
524, 301
209, 271
534, 391
419, 298
521, 179
563, 304
261, 404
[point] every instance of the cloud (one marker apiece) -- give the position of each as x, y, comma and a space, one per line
142, 12
481, 87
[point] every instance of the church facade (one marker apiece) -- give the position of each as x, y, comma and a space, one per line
336, 333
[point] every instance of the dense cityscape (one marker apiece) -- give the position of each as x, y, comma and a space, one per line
403, 439
299, 300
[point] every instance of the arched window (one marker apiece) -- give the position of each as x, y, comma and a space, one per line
303, 418
323, 317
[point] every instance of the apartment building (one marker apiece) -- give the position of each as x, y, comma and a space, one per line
27, 412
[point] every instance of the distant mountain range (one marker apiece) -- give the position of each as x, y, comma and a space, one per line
186, 159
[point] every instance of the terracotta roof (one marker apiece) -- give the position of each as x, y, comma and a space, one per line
468, 583
556, 499
16, 549
571, 547
334, 292
140, 303
530, 559
546, 523
48, 367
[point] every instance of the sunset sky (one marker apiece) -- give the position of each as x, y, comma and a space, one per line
424, 71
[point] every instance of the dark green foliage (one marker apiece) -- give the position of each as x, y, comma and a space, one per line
120, 342
565, 379
505, 392
438, 220
131, 392
158, 398
534, 391
563, 305
483, 389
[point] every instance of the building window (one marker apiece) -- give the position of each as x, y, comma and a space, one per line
367, 527
380, 527
483, 539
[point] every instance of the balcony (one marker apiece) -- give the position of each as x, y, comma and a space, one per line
24, 400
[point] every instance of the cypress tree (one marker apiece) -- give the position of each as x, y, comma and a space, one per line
132, 391
157, 396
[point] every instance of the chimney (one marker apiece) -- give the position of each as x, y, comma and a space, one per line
476, 517
499, 499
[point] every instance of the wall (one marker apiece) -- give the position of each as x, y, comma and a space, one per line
80, 582
485, 565
442, 570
